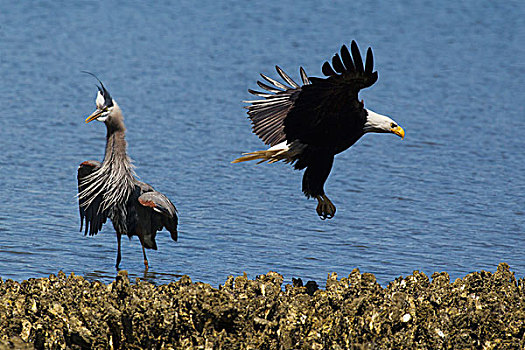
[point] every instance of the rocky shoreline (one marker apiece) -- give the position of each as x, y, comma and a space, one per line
483, 310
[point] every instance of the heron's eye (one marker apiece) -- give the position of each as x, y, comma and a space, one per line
393, 125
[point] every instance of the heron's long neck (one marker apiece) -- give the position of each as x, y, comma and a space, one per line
116, 168
116, 161
116, 149
115, 179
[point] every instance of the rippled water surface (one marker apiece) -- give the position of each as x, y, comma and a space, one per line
450, 197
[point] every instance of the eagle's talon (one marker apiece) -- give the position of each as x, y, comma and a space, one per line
319, 208
325, 208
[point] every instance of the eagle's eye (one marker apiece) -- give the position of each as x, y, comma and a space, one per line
393, 125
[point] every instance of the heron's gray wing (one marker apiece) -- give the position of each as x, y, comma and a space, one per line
91, 215
268, 114
163, 211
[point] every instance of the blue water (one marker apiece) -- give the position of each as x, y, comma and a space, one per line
450, 197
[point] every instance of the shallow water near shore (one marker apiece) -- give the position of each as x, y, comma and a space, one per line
449, 197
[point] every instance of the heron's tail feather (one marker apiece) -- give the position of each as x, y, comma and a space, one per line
271, 155
149, 242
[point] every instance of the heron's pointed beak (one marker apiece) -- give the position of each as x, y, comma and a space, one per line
94, 115
398, 131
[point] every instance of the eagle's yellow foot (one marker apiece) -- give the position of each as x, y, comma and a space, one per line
325, 208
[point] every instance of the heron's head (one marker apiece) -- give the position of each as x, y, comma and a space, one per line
105, 104
381, 123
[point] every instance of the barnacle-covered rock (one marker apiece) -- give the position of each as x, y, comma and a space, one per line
481, 311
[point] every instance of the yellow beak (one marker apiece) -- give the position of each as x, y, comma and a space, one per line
398, 131
94, 115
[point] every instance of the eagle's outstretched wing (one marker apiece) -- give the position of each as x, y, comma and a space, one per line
312, 112
267, 115
324, 106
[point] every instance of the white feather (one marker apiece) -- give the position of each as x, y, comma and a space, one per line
376, 122
100, 100
280, 146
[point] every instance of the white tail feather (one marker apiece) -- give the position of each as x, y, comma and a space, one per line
279, 152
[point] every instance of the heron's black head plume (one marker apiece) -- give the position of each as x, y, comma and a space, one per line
108, 101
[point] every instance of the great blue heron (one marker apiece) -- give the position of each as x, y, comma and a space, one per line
110, 189
308, 125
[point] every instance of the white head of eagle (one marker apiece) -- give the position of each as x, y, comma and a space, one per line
376, 122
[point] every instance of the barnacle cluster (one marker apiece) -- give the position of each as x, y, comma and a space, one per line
483, 310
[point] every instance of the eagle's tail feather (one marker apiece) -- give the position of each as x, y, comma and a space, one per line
271, 155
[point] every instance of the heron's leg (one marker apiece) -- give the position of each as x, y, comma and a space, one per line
118, 251
143, 252
145, 259
325, 208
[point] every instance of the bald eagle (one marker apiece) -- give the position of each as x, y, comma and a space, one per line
308, 125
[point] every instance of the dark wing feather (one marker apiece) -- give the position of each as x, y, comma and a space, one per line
304, 77
286, 78
322, 106
369, 65
327, 70
91, 215
268, 88
358, 62
162, 210
267, 115
338, 65
274, 82
347, 59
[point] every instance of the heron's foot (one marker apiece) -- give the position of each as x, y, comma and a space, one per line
325, 208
